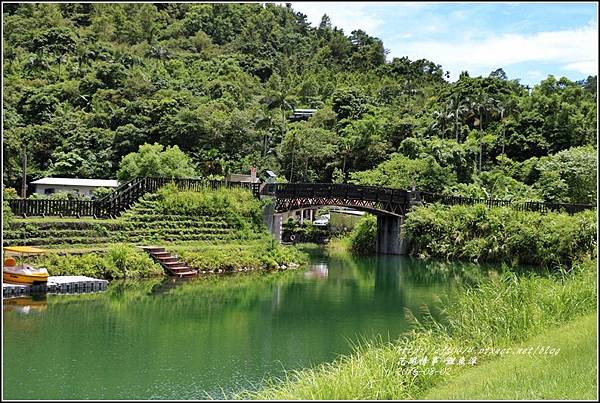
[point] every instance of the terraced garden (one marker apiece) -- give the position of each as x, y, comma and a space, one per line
144, 223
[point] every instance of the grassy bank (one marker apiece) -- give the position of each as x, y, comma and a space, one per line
265, 254
534, 377
497, 313
122, 261
119, 261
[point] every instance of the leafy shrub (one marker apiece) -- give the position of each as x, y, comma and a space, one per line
151, 160
501, 234
259, 254
363, 236
120, 261
101, 192
7, 215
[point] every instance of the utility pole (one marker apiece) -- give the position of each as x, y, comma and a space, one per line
24, 178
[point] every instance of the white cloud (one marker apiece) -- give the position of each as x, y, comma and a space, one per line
576, 49
354, 15
534, 74
347, 17
589, 67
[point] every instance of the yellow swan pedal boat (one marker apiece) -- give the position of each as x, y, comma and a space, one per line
22, 273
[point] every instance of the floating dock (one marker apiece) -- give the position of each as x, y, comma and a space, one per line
56, 285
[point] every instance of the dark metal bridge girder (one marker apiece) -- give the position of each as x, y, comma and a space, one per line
381, 208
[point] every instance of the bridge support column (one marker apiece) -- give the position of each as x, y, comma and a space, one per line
389, 240
276, 226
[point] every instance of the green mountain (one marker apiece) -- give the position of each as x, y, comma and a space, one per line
86, 84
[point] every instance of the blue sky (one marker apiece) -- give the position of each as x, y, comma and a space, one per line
528, 40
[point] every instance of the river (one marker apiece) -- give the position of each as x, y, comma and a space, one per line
166, 339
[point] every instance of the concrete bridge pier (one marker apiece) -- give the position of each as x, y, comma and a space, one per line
276, 227
389, 236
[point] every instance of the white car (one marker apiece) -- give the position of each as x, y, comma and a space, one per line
322, 221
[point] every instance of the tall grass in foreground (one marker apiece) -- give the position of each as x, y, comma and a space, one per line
496, 313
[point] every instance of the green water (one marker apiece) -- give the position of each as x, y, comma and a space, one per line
208, 337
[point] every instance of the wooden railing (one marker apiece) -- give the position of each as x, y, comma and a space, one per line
60, 208
541, 207
119, 200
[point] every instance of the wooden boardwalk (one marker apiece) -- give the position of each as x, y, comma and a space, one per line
56, 285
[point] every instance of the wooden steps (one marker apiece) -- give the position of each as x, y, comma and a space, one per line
169, 262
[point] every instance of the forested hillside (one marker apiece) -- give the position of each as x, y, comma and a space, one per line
87, 84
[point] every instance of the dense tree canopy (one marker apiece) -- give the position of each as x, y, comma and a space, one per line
151, 160
86, 85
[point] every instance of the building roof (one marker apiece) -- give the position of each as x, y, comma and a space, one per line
109, 183
242, 178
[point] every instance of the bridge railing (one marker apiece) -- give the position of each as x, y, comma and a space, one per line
335, 190
543, 207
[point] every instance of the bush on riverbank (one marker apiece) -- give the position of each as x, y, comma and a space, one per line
501, 234
362, 239
118, 262
260, 254
498, 313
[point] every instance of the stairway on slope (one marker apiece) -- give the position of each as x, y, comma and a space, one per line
170, 262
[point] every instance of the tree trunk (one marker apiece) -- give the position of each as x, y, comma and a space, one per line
292, 167
480, 138
480, 153
24, 175
456, 124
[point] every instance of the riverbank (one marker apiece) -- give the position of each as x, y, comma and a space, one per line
498, 313
125, 261
481, 234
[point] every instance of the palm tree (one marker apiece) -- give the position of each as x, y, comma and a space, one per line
506, 106
159, 53
36, 62
442, 118
60, 59
458, 110
481, 103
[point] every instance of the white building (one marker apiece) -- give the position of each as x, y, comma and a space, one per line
47, 186
252, 178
